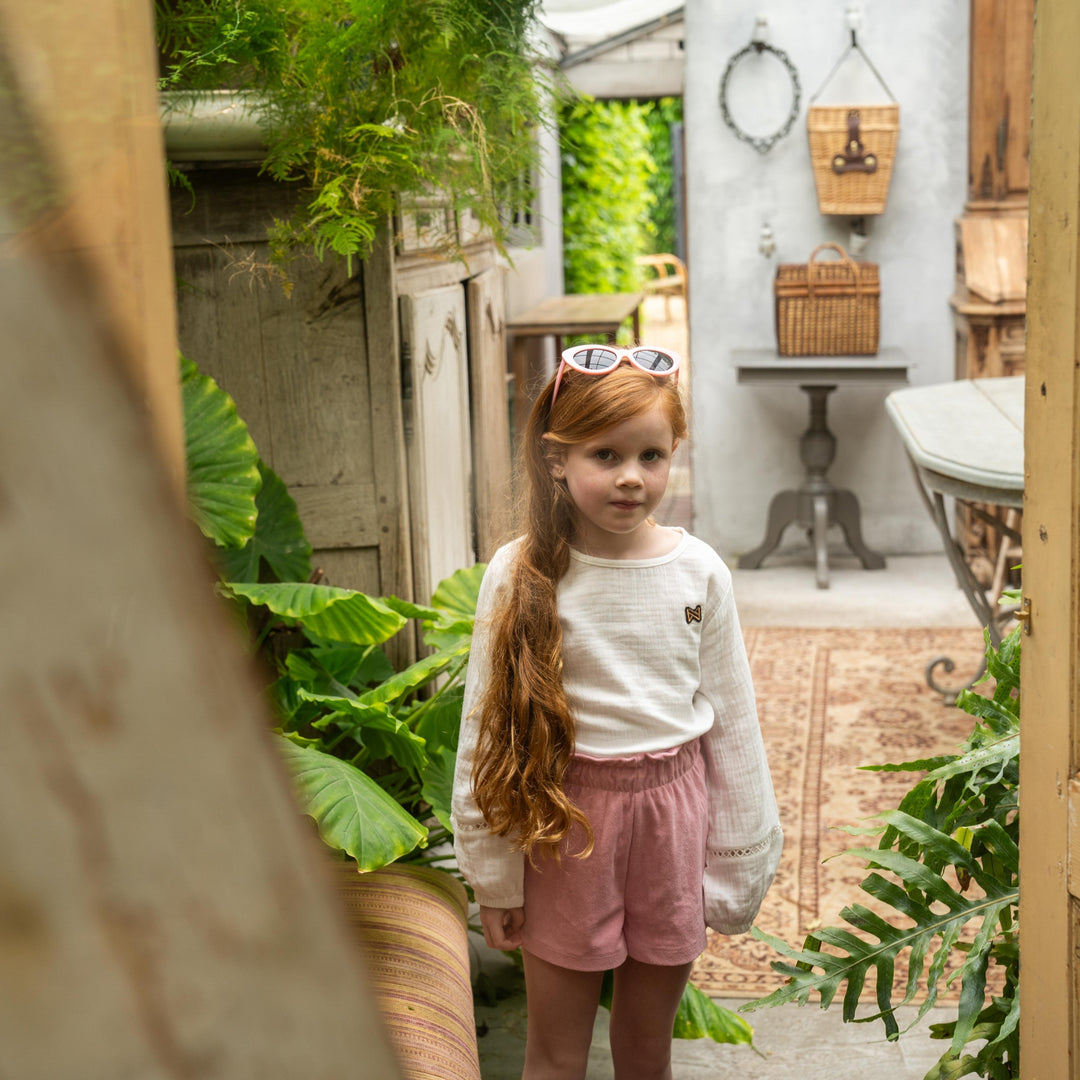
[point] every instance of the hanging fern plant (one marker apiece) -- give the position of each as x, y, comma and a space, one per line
947, 860
365, 101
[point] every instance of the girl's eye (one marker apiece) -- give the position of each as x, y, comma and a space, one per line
652, 456
605, 455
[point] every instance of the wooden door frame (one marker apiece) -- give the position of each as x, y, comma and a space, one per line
1050, 879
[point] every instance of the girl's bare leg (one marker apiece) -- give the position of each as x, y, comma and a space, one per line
562, 1008
645, 1000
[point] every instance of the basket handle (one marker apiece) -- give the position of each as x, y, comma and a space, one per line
853, 47
844, 258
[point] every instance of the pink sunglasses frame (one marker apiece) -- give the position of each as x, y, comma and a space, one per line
621, 355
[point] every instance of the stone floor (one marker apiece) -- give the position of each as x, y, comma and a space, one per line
791, 1042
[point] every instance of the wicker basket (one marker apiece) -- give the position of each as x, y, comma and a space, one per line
852, 150
830, 308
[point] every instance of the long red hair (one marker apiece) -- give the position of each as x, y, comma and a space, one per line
526, 738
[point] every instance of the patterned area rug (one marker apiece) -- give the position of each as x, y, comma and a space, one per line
829, 701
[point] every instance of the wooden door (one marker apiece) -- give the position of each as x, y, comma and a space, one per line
320, 405
999, 105
437, 434
490, 411
1050, 822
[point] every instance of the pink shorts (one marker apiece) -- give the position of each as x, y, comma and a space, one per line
639, 893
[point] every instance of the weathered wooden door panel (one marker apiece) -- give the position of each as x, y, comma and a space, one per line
1000, 116
297, 368
315, 368
1050, 822
436, 403
490, 416
219, 331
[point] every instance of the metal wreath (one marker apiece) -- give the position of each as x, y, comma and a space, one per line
762, 144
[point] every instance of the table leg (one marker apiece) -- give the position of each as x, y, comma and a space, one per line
637, 325
784, 510
821, 528
994, 619
817, 504
847, 517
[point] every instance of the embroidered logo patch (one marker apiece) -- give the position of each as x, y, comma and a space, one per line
693, 615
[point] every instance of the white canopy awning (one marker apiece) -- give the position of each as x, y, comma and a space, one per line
594, 20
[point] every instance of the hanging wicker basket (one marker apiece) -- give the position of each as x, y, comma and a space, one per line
828, 308
852, 150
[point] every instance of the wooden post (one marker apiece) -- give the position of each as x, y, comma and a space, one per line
88, 84
1050, 915
165, 912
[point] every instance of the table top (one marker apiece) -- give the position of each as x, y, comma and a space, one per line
768, 366
579, 313
965, 437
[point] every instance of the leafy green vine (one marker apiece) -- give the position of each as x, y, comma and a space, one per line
365, 102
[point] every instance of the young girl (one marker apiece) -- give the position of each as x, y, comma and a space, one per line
611, 796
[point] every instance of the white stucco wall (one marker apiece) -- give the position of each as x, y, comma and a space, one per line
745, 438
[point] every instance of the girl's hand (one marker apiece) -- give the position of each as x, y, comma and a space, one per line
502, 926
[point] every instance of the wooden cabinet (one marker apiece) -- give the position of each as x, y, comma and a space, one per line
990, 301
359, 390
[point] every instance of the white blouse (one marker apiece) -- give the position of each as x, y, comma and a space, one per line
652, 658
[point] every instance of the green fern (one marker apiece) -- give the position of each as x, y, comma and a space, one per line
363, 101
959, 823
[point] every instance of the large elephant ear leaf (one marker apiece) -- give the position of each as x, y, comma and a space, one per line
699, 1017
334, 614
455, 599
222, 461
457, 594
279, 538
438, 783
352, 812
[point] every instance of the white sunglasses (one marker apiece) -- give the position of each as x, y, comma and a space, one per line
602, 359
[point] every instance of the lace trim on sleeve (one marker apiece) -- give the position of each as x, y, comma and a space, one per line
752, 849
471, 828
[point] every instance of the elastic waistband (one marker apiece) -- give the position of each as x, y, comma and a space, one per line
635, 772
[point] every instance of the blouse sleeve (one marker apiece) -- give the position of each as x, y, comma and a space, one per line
488, 862
744, 838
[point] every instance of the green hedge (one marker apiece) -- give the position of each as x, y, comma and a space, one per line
607, 201
618, 189
660, 118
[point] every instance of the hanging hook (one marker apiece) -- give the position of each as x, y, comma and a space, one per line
761, 33
853, 17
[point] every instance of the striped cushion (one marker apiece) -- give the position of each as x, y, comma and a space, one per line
411, 920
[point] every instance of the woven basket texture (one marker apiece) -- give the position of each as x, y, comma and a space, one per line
852, 193
828, 307
411, 921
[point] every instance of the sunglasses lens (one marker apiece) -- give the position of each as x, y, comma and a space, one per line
598, 359
654, 360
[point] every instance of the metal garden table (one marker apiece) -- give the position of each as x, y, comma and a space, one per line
965, 439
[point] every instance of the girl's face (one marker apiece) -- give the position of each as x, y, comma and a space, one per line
616, 480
